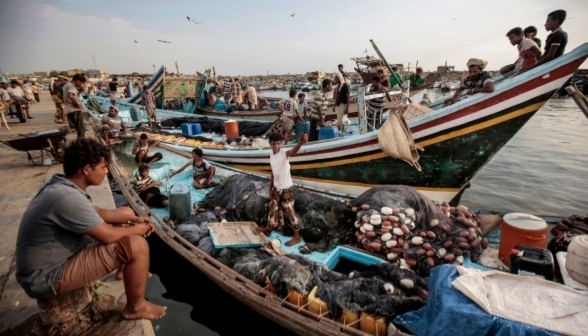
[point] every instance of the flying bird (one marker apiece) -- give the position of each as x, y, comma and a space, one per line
163, 41
454, 19
187, 17
292, 15
135, 41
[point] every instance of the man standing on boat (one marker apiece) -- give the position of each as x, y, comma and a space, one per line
113, 87
64, 242
343, 99
478, 81
376, 105
227, 92
148, 102
237, 92
281, 189
319, 108
416, 78
395, 78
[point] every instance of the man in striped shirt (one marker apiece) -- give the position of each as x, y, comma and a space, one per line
237, 92
376, 105
319, 108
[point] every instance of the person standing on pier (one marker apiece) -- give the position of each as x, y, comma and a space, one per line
148, 102
57, 100
64, 242
73, 107
281, 189
319, 108
35, 90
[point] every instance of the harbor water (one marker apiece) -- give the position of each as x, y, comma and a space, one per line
542, 170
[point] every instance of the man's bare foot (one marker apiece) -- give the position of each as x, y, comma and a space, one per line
265, 231
144, 310
29, 117
292, 242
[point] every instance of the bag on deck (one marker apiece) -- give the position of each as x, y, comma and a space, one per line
396, 140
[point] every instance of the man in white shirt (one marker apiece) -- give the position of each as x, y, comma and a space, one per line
16, 94
281, 207
290, 114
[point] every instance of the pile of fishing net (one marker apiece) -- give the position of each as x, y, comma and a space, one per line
197, 233
323, 220
415, 232
246, 127
383, 289
95, 106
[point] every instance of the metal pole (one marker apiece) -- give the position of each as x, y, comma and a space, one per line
361, 115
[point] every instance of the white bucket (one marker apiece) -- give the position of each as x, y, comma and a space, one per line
47, 161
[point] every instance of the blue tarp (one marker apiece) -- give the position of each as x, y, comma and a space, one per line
449, 312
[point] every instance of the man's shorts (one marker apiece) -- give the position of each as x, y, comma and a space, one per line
92, 263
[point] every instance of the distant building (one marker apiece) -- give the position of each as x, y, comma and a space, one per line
102, 74
43, 74
443, 68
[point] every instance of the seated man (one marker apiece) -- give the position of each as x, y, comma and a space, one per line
112, 124
16, 94
64, 242
528, 50
147, 189
141, 150
202, 170
478, 81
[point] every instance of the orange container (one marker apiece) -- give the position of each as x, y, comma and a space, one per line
232, 129
520, 229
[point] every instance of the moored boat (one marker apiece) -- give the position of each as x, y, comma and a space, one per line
458, 140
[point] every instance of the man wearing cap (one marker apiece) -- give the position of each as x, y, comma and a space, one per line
478, 81
57, 99
16, 93
112, 125
148, 102
416, 78
72, 104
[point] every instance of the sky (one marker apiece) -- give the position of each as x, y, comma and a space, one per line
256, 36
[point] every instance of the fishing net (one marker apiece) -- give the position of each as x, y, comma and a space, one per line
246, 128
95, 106
411, 230
323, 220
197, 235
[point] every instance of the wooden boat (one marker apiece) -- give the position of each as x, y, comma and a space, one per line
458, 140
300, 320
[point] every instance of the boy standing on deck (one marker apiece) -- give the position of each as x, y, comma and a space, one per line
281, 189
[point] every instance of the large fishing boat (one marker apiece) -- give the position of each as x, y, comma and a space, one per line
458, 140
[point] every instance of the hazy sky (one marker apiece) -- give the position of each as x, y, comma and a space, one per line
255, 36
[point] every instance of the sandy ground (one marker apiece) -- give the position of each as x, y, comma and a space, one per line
20, 182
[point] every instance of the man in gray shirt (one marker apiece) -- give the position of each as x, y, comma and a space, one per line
112, 124
64, 242
72, 105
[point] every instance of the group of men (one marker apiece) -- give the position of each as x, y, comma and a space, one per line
232, 92
19, 95
480, 81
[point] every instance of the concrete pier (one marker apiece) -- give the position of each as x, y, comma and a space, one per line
20, 181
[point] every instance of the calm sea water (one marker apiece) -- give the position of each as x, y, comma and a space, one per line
542, 170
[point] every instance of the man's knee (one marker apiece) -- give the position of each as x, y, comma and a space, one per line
138, 245
126, 211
